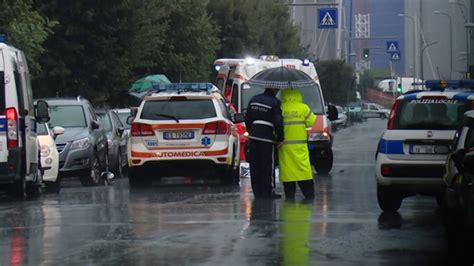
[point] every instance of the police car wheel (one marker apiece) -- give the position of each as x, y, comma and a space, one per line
387, 199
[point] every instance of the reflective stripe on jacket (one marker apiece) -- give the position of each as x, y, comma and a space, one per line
293, 155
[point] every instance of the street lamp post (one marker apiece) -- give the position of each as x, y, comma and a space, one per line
466, 20
414, 43
426, 45
450, 40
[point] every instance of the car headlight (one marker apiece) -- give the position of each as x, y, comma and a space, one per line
318, 136
80, 144
45, 151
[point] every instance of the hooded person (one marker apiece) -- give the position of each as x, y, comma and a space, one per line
293, 154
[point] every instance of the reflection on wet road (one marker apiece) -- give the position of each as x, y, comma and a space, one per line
219, 225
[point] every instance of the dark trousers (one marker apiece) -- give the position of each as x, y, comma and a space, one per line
306, 186
261, 160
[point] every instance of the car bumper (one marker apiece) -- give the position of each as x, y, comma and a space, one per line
195, 168
74, 162
418, 176
50, 170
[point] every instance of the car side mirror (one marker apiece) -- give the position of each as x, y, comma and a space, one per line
42, 111
57, 131
332, 112
120, 130
95, 125
130, 119
133, 111
238, 118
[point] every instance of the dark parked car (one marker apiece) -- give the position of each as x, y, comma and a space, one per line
83, 146
117, 138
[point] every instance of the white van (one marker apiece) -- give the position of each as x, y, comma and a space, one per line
20, 171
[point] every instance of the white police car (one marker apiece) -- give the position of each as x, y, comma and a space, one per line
183, 129
412, 152
20, 167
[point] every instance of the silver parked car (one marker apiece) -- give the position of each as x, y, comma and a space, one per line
341, 120
116, 140
374, 110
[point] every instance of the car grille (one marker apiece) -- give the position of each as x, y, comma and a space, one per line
61, 147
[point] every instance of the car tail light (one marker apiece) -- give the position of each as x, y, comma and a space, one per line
139, 129
393, 114
12, 127
218, 127
386, 170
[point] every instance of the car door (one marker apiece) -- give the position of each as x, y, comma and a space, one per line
122, 137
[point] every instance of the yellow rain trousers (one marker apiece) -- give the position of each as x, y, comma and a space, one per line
293, 155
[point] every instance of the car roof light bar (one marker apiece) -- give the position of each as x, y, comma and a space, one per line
440, 85
182, 87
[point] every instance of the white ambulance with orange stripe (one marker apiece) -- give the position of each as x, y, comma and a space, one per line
184, 129
233, 75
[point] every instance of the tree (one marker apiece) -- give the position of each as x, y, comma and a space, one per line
262, 27
26, 29
337, 81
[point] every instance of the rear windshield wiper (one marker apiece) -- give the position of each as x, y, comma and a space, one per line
169, 116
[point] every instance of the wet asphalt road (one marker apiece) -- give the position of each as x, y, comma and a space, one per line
182, 224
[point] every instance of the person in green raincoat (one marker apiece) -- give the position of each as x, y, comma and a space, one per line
293, 154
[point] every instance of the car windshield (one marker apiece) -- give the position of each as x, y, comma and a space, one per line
104, 121
67, 116
311, 96
179, 109
418, 114
123, 118
41, 129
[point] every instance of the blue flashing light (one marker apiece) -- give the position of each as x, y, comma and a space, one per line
453, 84
217, 67
306, 62
3, 38
191, 86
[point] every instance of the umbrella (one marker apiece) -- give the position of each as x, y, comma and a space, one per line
282, 77
146, 83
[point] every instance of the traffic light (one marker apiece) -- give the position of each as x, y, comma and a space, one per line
399, 87
365, 53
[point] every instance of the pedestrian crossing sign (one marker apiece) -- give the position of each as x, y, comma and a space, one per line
395, 56
327, 18
392, 47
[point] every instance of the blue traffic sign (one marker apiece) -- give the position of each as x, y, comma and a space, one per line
395, 56
392, 47
327, 18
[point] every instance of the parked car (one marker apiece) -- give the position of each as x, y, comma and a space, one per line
20, 172
184, 129
374, 110
83, 149
116, 140
354, 112
49, 156
412, 152
459, 178
341, 120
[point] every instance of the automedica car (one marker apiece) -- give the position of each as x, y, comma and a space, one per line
83, 149
116, 140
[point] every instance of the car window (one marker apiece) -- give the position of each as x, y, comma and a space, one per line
225, 110
67, 116
104, 121
469, 143
41, 129
179, 109
123, 118
416, 114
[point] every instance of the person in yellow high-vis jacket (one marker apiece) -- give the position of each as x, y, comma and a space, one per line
293, 154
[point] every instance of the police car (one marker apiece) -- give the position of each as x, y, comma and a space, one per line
412, 152
183, 129
20, 167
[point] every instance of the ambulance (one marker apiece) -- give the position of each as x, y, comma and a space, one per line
20, 168
232, 78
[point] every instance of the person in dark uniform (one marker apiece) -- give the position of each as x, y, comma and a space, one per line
264, 124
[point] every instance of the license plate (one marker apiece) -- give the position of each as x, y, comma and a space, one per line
178, 135
423, 149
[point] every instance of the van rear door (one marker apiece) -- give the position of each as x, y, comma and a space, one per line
3, 122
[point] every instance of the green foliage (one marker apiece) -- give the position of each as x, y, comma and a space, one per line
25, 28
336, 78
255, 27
